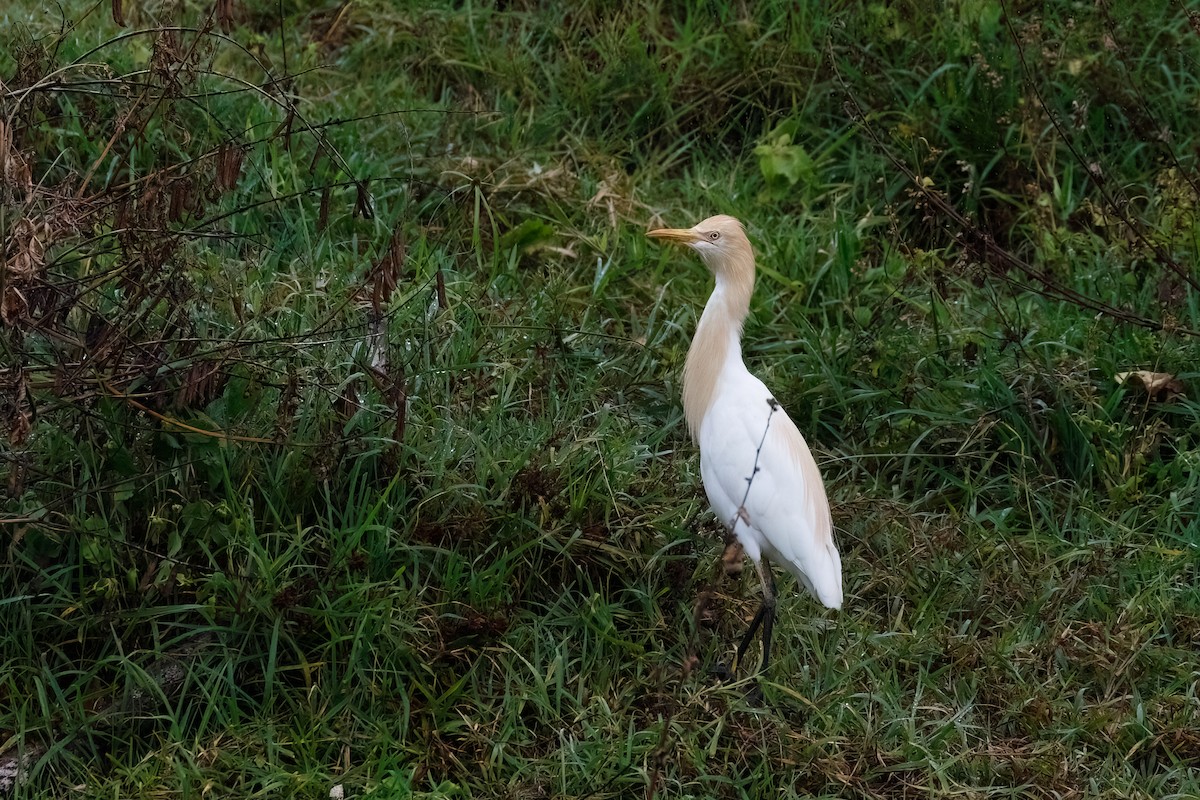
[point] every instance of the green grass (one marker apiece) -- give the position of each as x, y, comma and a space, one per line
286, 512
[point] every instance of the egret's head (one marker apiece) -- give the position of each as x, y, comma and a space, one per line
721, 241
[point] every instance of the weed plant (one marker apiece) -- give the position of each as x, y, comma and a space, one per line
341, 386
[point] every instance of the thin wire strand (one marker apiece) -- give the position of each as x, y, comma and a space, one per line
741, 509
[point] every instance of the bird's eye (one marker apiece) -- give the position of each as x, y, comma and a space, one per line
714, 236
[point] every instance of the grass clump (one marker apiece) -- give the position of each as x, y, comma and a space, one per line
340, 385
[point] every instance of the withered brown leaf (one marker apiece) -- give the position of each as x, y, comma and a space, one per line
1162, 386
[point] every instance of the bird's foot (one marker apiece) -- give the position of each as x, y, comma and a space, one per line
754, 695
727, 673
721, 672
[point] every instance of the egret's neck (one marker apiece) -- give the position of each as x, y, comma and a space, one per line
716, 347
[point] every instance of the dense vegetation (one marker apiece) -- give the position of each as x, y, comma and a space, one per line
340, 392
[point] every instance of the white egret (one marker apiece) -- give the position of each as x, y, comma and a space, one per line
758, 472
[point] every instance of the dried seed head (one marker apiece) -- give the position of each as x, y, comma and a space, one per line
323, 214
225, 17
21, 422
229, 166
180, 191
26, 253
13, 306
15, 174
362, 200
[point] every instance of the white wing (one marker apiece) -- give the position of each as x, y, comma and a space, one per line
786, 510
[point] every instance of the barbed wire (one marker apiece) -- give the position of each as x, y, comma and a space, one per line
740, 513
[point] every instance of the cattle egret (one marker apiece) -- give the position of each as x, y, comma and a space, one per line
758, 473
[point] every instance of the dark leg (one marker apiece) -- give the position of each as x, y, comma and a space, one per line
765, 616
759, 616
768, 631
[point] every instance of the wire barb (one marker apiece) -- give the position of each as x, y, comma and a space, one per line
741, 511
